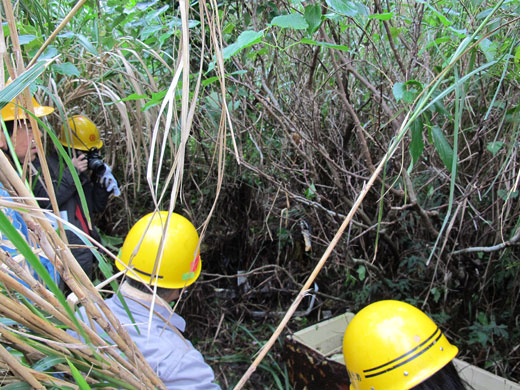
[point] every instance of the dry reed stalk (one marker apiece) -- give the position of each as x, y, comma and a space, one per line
79, 280
33, 322
18, 369
21, 314
11, 22
46, 301
34, 354
215, 33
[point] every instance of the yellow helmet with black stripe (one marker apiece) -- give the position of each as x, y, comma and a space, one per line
393, 345
178, 264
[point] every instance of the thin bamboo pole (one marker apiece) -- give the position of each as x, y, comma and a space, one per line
265, 349
55, 33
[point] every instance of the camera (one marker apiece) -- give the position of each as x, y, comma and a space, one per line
95, 163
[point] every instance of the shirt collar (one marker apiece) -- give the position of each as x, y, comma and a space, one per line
160, 306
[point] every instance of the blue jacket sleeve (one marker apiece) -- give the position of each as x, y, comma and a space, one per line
20, 225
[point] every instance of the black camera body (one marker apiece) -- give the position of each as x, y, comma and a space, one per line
95, 163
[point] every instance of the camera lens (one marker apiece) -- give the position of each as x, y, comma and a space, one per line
96, 166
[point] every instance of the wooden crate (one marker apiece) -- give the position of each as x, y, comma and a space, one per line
315, 360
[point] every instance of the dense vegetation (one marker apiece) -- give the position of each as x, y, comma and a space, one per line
291, 120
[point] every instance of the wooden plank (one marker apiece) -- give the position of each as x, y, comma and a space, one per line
327, 336
481, 379
315, 360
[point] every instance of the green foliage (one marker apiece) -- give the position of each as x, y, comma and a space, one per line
348, 8
48, 362
310, 192
484, 329
18, 386
78, 377
294, 21
245, 40
309, 85
313, 18
443, 147
416, 143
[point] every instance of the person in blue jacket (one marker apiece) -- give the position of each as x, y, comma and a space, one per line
19, 224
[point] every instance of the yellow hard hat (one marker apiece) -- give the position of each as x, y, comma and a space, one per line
84, 134
180, 263
392, 345
14, 108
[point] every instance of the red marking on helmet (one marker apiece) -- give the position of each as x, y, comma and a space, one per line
195, 263
92, 137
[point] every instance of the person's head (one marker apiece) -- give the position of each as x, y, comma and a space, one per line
81, 134
18, 127
178, 267
393, 345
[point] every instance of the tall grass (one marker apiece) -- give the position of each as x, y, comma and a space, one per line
113, 88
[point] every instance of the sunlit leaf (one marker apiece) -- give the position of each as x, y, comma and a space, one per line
484, 14
398, 91
348, 8
17, 386
385, 16
245, 39
82, 383
177, 22
67, 69
21, 82
228, 28
153, 15
7, 322
294, 21
488, 48
444, 20
148, 31
143, 6
310, 192
155, 100
51, 52
361, 271
86, 44
134, 96
48, 362
25, 39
